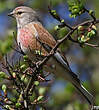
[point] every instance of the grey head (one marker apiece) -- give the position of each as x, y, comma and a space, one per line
24, 15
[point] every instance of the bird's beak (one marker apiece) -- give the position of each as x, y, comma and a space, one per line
11, 14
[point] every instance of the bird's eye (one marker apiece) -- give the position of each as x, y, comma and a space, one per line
19, 13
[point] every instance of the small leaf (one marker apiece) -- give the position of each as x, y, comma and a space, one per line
14, 75
53, 11
18, 105
62, 21
7, 107
23, 66
84, 39
91, 12
4, 88
36, 83
57, 27
39, 98
23, 77
94, 27
80, 28
25, 80
93, 32
25, 57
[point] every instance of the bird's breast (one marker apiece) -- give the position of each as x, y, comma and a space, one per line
26, 39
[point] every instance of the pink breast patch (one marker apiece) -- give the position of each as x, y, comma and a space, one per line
26, 37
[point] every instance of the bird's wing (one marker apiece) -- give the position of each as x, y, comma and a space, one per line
44, 36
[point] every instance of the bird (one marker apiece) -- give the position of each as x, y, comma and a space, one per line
32, 37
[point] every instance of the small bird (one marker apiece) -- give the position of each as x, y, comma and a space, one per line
33, 37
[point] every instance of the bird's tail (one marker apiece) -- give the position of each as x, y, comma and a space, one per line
85, 93
73, 78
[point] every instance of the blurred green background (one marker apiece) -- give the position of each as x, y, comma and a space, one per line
83, 61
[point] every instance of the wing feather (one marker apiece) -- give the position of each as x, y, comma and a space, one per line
44, 35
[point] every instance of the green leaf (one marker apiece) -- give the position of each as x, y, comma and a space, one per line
94, 27
40, 98
18, 105
53, 11
84, 39
80, 28
25, 57
7, 107
62, 21
23, 66
91, 12
14, 75
4, 88
36, 83
75, 7
23, 77
93, 32
56, 28
26, 80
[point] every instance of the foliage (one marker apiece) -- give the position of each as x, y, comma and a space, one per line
76, 7
20, 75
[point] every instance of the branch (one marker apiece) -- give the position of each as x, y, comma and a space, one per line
56, 16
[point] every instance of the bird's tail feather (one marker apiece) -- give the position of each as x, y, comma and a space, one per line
85, 93
74, 79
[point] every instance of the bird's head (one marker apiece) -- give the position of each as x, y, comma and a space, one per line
24, 15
